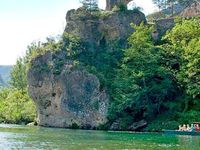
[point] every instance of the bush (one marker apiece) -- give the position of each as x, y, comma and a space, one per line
189, 117
16, 107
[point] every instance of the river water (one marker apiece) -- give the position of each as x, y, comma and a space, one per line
39, 138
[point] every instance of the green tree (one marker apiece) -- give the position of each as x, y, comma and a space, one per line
142, 85
162, 4
16, 106
183, 49
169, 4
18, 76
90, 5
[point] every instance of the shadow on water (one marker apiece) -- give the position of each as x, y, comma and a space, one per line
37, 138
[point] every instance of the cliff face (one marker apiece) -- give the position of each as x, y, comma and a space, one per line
106, 27
73, 96
191, 11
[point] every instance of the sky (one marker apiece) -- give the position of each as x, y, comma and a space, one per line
25, 21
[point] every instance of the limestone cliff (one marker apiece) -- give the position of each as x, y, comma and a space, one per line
73, 97
103, 27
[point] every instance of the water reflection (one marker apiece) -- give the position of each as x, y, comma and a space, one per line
189, 141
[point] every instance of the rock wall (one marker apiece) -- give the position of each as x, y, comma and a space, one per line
163, 25
71, 98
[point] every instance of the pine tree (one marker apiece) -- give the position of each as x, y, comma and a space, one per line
90, 5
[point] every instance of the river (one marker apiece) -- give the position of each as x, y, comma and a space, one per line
39, 138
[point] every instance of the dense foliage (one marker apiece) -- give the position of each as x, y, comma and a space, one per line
15, 104
142, 87
183, 57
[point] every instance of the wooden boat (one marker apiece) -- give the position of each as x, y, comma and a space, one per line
178, 132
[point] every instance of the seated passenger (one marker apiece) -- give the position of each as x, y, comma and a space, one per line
179, 128
197, 127
184, 128
192, 127
188, 127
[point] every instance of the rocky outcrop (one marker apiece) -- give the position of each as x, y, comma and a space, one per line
137, 125
103, 29
191, 11
112, 3
71, 98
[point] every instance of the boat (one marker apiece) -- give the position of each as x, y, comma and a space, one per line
179, 132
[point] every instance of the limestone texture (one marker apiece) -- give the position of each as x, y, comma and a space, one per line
71, 98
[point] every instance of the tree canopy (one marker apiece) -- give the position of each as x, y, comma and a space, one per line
90, 5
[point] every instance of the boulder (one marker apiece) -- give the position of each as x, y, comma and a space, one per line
115, 125
137, 125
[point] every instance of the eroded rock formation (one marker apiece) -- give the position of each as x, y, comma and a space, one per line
73, 97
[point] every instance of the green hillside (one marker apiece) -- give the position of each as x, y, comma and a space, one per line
1, 81
5, 73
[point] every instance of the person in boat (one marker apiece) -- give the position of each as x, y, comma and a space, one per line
188, 127
192, 127
197, 128
184, 128
180, 128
